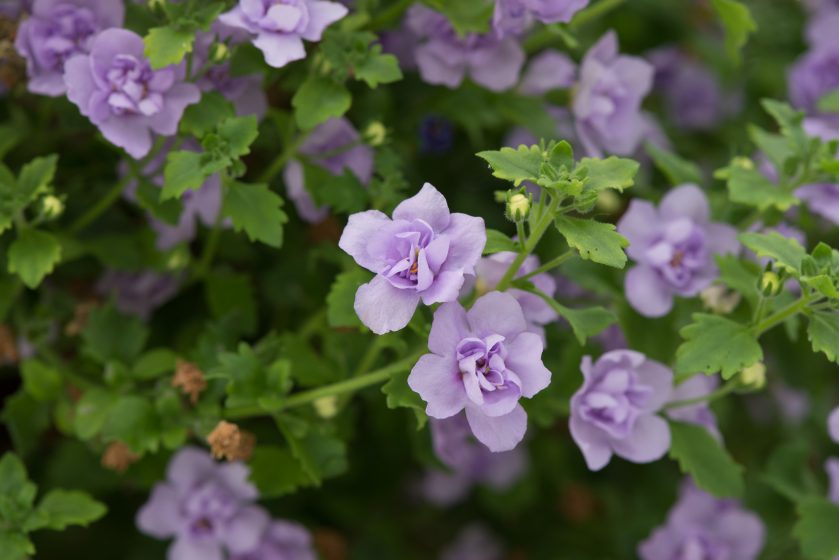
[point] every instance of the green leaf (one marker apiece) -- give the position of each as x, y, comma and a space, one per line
110, 335
705, 460
17, 493
716, 344
823, 332
257, 211
776, 147
320, 454
586, 322
183, 172
750, 187
785, 251
823, 284
15, 546
153, 364
378, 68
677, 170
35, 176
790, 122
400, 395
33, 255
91, 412
203, 116
252, 378
595, 241
786, 470
62, 508
132, 420
740, 275
318, 99
275, 471
229, 293
239, 133
738, 23
26, 420
816, 528
340, 303
514, 164
168, 45
466, 16
342, 193
610, 173
829, 103
498, 242
40, 380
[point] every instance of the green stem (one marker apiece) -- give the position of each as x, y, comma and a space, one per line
100, 207
390, 15
279, 162
591, 13
710, 397
536, 233
792, 309
551, 264
521, 233
548, 34
211, 247
373, 350
342, 387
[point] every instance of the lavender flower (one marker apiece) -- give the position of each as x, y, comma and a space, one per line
833, 424
422, 253
244, 92
138, 293
115, 87
482, 360
823, 198
607, 102
548, 70
56, 31
702, 526
474, 542
817, 71
698, 413
12, 9
614, 410
445, 58
832, 468
279, 27
674, 247
336, 146
205, 506
282, 540
512, 17
469, 462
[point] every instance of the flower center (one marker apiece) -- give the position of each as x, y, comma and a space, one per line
415, 256
615, 401
134, 88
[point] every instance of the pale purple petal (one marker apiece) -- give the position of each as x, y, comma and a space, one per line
159, 516
525, 358
499, 69
449, 327
497, 313
592, 442
500, 433
833, 425
355, 239
190, 549
243, 533
384, 308
427, 205
437, 381
322, 15
279, 49
647, 293
685, 201
648, 441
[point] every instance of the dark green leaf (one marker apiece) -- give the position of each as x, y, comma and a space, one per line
738, 24
816, 528
705, 460
154, 363
823, 332
62, 508
257, 211
749, 186
785, 251
677, 170
340, 303
205, 115
275, 471
40, 380
498, 242
33, 255
184, 171
133, 421
110, 335
716, 344
596, 241
318, 100
586, 322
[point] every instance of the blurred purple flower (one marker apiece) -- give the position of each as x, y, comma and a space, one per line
612, 338
281, 540
614, 412
513, 17
115, 87
207, 507
548, 70
698, 413
470, 463
56, 31
279, 27
445, 58
482, 360
474, 542
702, 526
421, 254
607, 102
245, 92
336, 146
436, 135
822, 199
12, 9
138, 293
832, 468
816, 72
674, 247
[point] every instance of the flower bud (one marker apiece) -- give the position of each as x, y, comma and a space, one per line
518, 206
375, 134
326, 407
52, 207
743, 162
753, 377
219, 52
770, 283
608, 201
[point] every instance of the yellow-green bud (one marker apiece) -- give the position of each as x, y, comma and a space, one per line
718, 299
52, 206
754, 376
608, 201
518, 206
743, 162
375, 134
219, 52
770, 283
326, 407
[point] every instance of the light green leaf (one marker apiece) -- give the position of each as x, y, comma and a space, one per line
239, 133
40, 380
340, 310
378, 68
154, 363
716, 344
705, 460
15, 546
823, 332
202, 117
35, 176
610, 173
257, 211
183, 172
62, 508
739, 275
318, 99
677, 170
596, 241
586, 322
168, 45
91, 412
816, 528
738, 24
750, 187
785, 251
498, 242
133, 421
466, 16
823, 284
514, 164
33, 255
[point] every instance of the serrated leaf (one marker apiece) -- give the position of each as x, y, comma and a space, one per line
514, 164
586, 322
739, 275
340, 310
498, 242
816, 528
40, 380
62, 508
321, 455
823, 284
677, 170
343, 193
257, 211
595, 241
378, 68
318, 99
705, 460
183, 172
738, 23
35, 176
466, 16
239, 133
33, 255
750, 187
610, 173
168, 45
716, 344
275, 471
202, 117
823, 332
784, 251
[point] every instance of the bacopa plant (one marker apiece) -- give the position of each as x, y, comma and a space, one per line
373, 279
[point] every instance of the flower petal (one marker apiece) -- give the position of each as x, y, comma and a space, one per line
499, 433
383, 307
648, 441
427, 205
647, 293
525, 358
437, 381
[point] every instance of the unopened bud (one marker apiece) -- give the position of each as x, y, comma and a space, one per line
326, 407
219, 52
52, 207
754, 376
227, 441
118, 457
770, 283
608, 201
518, 206
189, 379
743, 162
375, 134
719, 300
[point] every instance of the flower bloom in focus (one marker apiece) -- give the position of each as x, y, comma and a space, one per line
446, 58
702, 526
674, 247
207, 507
421, 254
607, 102
335, 146
56, 31
614, 412
280, 26
482, 360
115, 87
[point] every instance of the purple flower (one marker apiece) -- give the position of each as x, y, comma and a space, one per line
512, 17
336, 146
207, 507
832, 468
546, 71
445, 58
469, 462
674, 247
703, 527
537, 313
698, 413
56, 31
612, 338
482, 360
280, 26
244, 92
474, 542
607, 102
817, 72
823, 198
282, 540
12, 9
138, 293
615, 409
115, 87
833, 424
422, 253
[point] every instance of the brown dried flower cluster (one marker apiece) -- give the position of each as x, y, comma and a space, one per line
80, 316
227, 441
118, 457
189, 379
12, 68
8, 346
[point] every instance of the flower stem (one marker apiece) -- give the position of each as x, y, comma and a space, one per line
536, 233
710, 397
790, 310
100, 207
279, 162
551, 264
